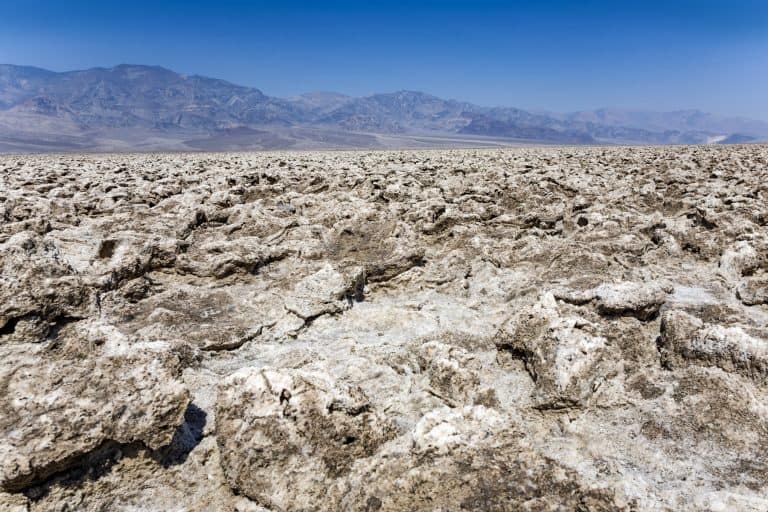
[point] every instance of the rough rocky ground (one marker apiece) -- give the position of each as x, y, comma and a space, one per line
524, 329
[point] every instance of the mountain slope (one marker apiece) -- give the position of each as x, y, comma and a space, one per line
149, 107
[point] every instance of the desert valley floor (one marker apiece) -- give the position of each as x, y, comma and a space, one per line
572, 328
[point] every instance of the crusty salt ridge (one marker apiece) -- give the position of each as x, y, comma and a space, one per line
523, 329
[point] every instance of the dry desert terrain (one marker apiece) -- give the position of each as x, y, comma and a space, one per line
543, 329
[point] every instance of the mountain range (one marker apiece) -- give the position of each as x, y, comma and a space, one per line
148, 108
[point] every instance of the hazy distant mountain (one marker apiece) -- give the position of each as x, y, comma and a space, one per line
682, 121
131, 107
318, 103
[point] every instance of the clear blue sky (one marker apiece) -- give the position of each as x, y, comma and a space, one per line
549, 54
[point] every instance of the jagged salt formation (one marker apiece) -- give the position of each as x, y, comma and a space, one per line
526, 329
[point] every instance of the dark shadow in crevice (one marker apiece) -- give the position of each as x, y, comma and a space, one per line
59, 323
79, 469
517, 354
82, 468
185, 439
9, 327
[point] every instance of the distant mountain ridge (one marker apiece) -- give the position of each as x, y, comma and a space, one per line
136, 107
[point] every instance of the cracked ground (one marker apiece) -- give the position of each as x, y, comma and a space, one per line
519, 329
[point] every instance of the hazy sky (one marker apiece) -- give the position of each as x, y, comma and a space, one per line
555, 55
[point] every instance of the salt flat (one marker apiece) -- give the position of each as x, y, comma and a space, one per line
563, 328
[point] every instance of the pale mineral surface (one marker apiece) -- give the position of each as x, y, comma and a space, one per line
521, 329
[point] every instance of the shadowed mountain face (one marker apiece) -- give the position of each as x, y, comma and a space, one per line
151, 108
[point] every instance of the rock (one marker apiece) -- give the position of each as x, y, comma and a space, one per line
222, 258
327, 291
286, 435
753, 292
58, 410
383, 248
577, 297
470, 457
443, 431
687, 340
738, 260
640, 300
562, 354
448, 373
207, 317
38, 292
13, 502
394, 266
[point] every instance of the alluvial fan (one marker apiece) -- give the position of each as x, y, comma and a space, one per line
520, 329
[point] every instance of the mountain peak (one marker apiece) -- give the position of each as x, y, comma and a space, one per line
135, 102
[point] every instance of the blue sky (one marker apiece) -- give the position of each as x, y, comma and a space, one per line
549, 54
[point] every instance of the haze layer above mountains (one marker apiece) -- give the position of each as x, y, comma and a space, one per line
131, 107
